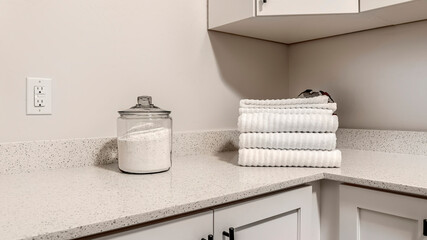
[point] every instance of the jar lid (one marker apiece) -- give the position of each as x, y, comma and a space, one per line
144, 106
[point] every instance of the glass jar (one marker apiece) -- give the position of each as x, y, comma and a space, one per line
144, 138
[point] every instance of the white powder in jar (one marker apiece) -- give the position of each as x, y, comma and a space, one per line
145, 151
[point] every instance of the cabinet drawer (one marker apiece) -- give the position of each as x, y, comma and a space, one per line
285, 215
303, 7
367, 214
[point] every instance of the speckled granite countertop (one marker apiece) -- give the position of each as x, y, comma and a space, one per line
75, 202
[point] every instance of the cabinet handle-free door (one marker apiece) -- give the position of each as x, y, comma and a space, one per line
229, 234
210, 237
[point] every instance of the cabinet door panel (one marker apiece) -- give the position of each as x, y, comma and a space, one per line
367, 214
285, 215
303, 7
271, 229
191, 227
381, 226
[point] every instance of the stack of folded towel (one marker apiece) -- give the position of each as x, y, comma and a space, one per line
289, 132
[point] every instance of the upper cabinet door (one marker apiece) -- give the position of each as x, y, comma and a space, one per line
366, 5
303, 7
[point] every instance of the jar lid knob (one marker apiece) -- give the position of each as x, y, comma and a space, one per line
144, 101
144, 106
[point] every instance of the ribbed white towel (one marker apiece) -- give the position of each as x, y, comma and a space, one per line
283, 102
301, 141
294, 158
275, 122
287, 110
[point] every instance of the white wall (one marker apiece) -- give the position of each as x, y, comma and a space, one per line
378, 77
101, 54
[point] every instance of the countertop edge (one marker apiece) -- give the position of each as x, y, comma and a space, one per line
91, 229
230, 198
409, 186
416, 191
114, 224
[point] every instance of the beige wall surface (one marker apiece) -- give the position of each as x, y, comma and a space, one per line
101, 54
378, 77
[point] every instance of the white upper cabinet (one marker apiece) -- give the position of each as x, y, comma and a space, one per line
292, 21
302, 7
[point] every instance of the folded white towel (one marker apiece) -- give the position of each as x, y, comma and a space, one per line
275, 122
328, 106
302, 141
294, 158
287, 110
283, 102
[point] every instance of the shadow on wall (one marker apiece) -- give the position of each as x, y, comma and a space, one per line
252, 68
107, 154
377, 77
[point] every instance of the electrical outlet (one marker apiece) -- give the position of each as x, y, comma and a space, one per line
39, 101
39, 90
39, 96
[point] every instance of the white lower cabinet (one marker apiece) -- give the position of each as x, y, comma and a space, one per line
195, 227
367, 214
285, 215
364, 214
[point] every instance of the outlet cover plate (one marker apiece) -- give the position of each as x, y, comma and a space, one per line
32, 84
